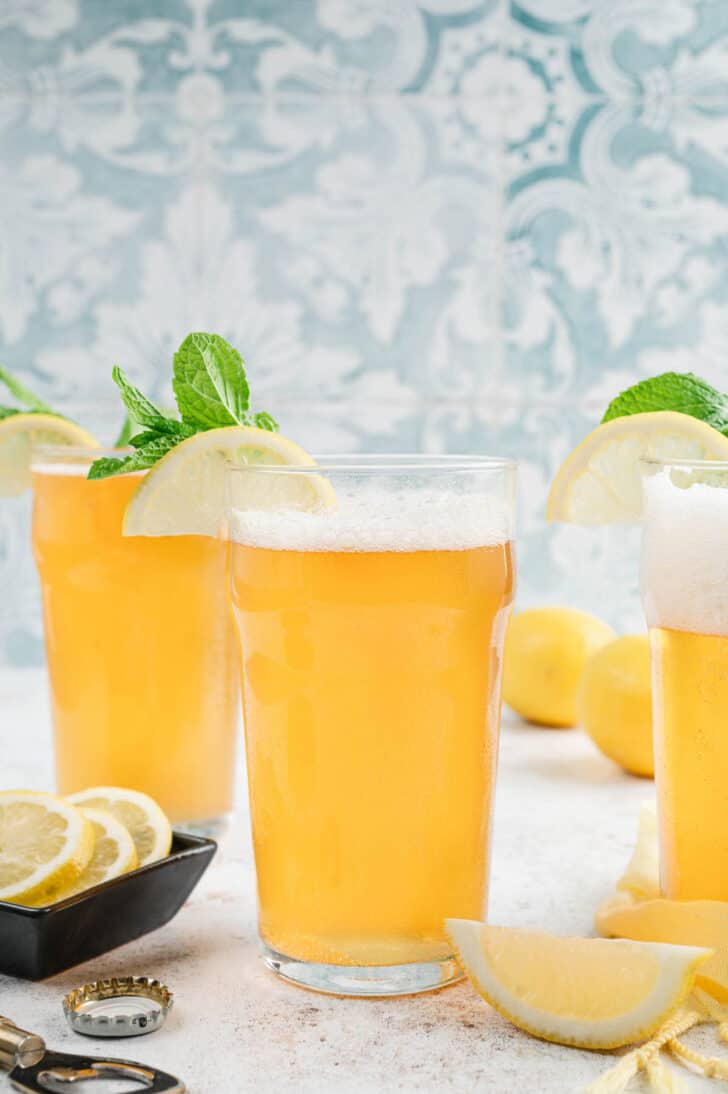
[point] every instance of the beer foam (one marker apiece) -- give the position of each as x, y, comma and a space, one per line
379, 521
685, 556
79, 470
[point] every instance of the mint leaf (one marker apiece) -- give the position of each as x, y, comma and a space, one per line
23, 395
211, 390
142, 410
263, 420
107, 465
9, 411
679, 391
125, 433
139, 440
209, 382
145, 437
140, 460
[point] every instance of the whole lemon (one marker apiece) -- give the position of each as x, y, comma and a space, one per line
545, 653
615, 703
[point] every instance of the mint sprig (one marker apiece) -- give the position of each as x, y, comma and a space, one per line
127, 431
209, 383
144, 457
142, 410
30, 402
33, 404
211, 390
679, 391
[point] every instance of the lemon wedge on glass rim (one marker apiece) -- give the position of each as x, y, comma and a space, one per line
586, 992
600, 481
45, 845
20, 433
185, 493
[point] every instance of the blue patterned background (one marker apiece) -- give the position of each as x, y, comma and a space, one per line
440, 225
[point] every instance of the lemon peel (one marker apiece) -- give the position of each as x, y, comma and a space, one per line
638, 911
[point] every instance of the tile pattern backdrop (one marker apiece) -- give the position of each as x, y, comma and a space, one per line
441, 225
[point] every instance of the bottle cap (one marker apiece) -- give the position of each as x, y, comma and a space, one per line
123, 1006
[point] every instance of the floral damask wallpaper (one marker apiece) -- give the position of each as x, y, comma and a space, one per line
442, 225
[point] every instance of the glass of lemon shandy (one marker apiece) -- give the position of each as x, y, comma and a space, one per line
140, 646
371, 596
685, 594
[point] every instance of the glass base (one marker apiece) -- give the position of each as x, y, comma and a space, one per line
212, 827
372, 980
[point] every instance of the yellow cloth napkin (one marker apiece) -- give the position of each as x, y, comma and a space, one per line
639, 911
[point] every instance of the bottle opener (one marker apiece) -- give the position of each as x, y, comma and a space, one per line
37, 1070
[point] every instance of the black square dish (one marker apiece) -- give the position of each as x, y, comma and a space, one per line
39, 942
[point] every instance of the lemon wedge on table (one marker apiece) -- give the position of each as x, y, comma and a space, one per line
45, 845
20, 433
639, 911
586, 992
184, 494
138, 813
600, 481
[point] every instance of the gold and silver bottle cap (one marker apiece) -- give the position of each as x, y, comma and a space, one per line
123, 1006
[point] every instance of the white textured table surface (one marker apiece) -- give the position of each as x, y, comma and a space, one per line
565, 823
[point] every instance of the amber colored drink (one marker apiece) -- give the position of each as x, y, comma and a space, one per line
690, 686
140, 648
372, 705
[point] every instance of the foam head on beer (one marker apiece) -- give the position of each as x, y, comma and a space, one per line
684, 560
375, 520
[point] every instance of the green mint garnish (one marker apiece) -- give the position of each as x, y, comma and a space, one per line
127, 431
30, 403
144, 457
33, 404
211, 390
679, 391
158, 435
263, 420
141, 409
209, 382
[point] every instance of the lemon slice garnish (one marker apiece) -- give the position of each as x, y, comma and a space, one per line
147, 824
45, 844
600, 481
114, 850
588, 992
184, 494
18, 436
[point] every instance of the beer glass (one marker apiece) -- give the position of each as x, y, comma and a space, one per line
371, 595
685, 596
140, 646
